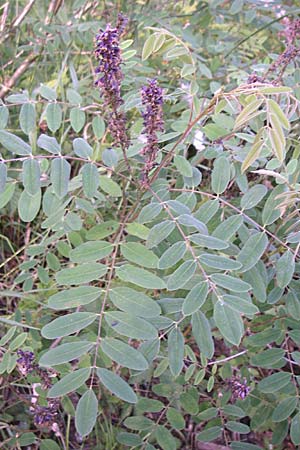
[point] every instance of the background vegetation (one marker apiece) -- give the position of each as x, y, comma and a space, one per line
150, 289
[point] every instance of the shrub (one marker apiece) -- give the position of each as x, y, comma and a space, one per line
151, 242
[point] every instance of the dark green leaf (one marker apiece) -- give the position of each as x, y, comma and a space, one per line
82, 148
29, 206
172, 255
116, 385
60, 174
49, 144
219, 262
274, 382
229, 323
83, 273
90, 251
284, 409
86, 413
14, 144
202, 334
65, 352
195, 298
69, 383
3, 177
131, 326
31, 176
73, 298
175, 351
124, 354
160, 232
90, 180
77, 118
53, 116
252, 251
231, 283
220, 176
27, 118
134, 302
139, 254
181, 275
285, 267
68, 324
140, 277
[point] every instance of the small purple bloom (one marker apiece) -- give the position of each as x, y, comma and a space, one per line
152, 100
239, 387
108, 54
45, 416
25, 362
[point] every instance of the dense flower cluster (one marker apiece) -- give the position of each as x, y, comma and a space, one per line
25, 362
108, 54
152, 99
239, 388
45, 416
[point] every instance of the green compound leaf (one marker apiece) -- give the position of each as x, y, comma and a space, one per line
219, 262
65, 353
69, 383
208, 241
124, 354
254, 196
140, 277
91, 251
3, 176
68, 324
110, 187
83, 273
29, 205
60, 175
74, 297
31, 176
90, 180
27, 118
274, 382
77, 118
53, 116
7, 194
181, 275
116, 385
229, 323
231, 283
134, 302
195, 298
220, 176
175, 351
285, 267
131, 326
49, 144
160, 232
202, 333
252, 251
295, 429
240, 305
14, 144
86, 413
139, 254
284, 409
172, 255
227, 229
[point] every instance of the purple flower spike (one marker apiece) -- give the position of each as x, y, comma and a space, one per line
108, 54
152, 99
25, 362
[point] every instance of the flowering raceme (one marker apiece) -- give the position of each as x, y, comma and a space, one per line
152, 99
108, 54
